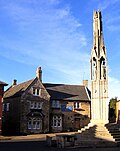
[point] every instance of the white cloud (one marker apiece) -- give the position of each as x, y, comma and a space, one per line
46, 35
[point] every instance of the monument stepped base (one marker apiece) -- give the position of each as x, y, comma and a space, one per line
114, 130
95, 136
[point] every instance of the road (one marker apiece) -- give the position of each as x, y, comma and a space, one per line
41, 146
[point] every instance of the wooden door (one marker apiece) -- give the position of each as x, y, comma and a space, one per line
77, 123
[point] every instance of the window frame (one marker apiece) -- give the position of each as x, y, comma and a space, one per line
77, 105
57, 121
56, 104
34, 124
36, 91
29, 125
36, 105
7, 107
3, 107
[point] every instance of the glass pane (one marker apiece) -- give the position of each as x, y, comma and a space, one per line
74, 104
37, 91
39, 105
32, 105
35, 105
38, 125
34, 91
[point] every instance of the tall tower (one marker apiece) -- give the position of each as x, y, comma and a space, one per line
99, 74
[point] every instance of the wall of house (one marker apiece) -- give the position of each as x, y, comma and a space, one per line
11, 116
118, 111
72, 119
25, 110
26, 99
1, 95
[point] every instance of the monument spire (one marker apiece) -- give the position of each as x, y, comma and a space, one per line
99, 74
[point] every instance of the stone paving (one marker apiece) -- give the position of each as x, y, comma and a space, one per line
37, 137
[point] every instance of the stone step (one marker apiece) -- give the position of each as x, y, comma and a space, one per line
117, 139
95, 135
114, 130
116, 136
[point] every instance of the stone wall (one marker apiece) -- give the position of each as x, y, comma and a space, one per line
72, 119
11, 118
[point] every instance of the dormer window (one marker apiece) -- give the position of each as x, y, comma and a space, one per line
36, 91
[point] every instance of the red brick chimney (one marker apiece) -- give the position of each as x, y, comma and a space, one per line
39, 73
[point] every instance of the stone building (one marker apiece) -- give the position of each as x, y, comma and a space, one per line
2, 84
69, 107
26, 107
36, 107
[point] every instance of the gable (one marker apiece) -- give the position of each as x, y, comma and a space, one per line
37, 89
17, 90
20, 89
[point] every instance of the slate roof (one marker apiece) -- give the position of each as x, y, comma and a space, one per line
17, 90
3, 83
56, 91
67, 92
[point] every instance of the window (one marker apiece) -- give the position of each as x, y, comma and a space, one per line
55, 104
40, 105
36, 91
57, 121
7, 106
36, 105
38, 124
32, 105
3, 107
77, 105
34, 123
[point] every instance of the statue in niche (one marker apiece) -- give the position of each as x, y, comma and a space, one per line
94, 69
104, 69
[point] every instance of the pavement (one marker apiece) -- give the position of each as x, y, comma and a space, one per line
37, 142
35, 137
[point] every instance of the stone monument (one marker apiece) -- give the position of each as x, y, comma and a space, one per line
99, 74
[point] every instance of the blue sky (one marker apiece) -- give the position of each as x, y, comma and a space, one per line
56, 35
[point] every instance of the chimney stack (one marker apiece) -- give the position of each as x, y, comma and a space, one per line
39, 73
85, 83
14, 82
